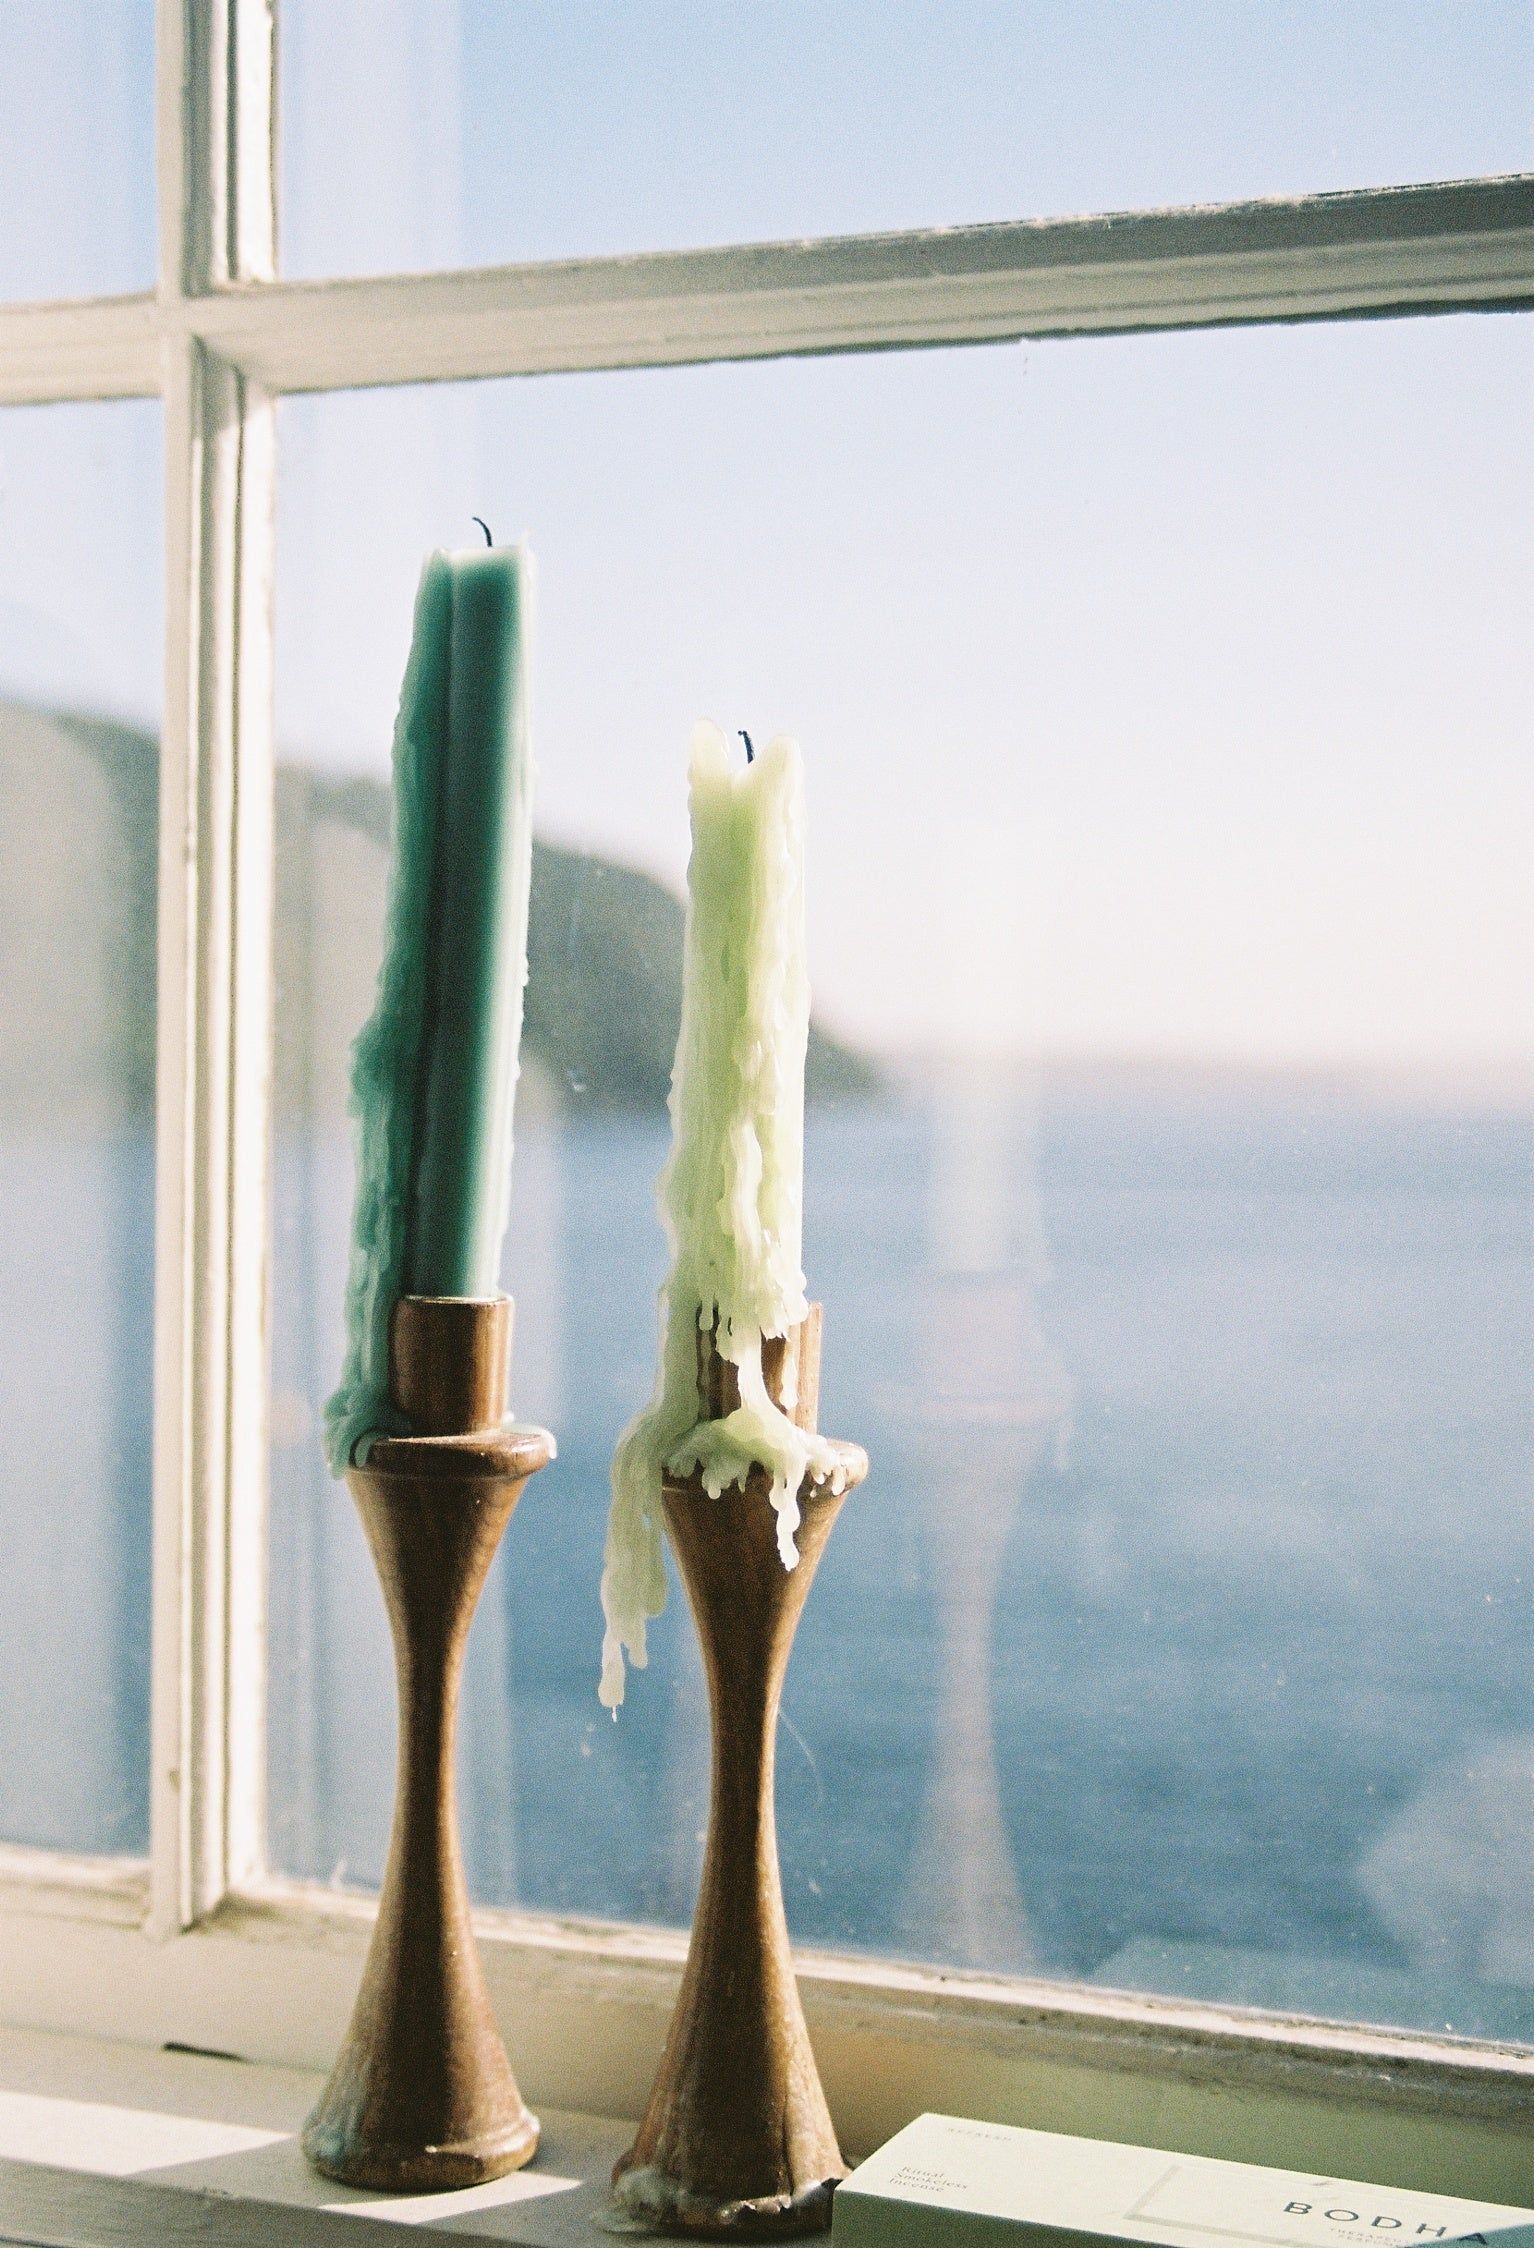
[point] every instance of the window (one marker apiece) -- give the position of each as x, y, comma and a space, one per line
77, 145
1213, 639
80, 637
1165, 1188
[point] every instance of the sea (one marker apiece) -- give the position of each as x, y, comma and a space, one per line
1181, 1638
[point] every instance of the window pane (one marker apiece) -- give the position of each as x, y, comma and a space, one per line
80, 637
77, 148
426, 133
1166, 708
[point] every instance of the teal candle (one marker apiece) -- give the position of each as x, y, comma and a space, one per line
434, 1068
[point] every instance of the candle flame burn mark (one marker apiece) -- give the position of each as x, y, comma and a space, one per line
746, 738
484, 526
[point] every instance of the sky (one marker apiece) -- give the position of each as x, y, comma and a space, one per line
1162, 696
481, 130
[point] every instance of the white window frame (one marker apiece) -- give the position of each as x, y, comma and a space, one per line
201, 1946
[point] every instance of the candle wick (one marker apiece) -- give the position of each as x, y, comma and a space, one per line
746, 738
484, 526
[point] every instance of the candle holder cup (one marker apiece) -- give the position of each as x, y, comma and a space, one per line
737, 2141
422, 2096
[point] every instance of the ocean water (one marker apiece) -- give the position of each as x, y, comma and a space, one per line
1181, 1637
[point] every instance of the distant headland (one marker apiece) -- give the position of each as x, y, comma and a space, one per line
78, 818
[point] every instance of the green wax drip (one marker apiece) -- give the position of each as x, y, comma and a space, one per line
434, 1067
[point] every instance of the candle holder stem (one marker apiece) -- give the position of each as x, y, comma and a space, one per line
737, 2141
422, 2096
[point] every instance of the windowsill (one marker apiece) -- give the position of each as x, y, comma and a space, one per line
584, 2011
101, 2141
107, 2141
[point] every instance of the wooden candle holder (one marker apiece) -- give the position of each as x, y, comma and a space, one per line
422, 2096
737, 2142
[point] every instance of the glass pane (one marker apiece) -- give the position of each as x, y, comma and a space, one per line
77, 148
1166, 707
80, 653
427, 133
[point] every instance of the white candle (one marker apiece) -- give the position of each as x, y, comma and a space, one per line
732, 1192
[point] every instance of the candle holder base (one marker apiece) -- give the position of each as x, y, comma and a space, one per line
422, 2098
353, 2159
650, 2203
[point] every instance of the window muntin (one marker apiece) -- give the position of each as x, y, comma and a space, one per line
419, 134
1198, 1374
77, 148
81, 627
